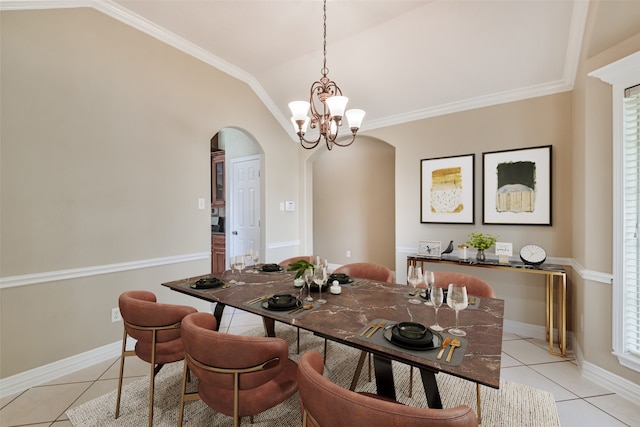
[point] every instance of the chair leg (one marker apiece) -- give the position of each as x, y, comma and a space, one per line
325, 351
152, 380
298, 344
410, 381
185, 374
122, 357
478, 403
369, 367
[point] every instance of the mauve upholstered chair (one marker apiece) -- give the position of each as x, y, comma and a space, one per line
475, 285
367, 270
325, 404
238, 375
156, 327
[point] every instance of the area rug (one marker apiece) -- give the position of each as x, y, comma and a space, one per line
512, 405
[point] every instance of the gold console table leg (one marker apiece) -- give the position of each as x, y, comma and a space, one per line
552, 312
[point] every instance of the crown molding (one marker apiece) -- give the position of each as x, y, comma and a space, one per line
576, 32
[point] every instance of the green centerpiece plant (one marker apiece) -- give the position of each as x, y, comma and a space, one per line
300, 266
481, 242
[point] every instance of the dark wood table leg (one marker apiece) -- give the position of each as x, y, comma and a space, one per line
384, 377
217, 313
431, 389
269, 326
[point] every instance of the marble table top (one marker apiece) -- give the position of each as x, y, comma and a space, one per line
345, 315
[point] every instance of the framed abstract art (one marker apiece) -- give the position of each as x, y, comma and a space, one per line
517, 186
446, 190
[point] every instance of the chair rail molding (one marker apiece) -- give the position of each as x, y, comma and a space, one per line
52, 276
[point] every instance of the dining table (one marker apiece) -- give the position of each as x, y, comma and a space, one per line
365, 316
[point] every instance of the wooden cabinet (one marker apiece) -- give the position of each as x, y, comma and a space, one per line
218, 253
217, 179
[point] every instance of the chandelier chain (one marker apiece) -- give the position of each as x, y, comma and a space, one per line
324, 70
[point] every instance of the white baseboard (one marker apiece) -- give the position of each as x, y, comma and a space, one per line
617, 384
43, 374
525, 330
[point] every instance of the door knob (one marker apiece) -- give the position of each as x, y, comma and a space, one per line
235, 233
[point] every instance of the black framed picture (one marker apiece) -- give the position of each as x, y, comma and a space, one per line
517, 186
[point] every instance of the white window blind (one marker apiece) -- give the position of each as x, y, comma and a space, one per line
631, 221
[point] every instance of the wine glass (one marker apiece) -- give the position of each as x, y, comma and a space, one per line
457, 299
238, 264
320, 278
429, 279
249, 258
436, 296
414, 276
232, 267
308, 279
255, 257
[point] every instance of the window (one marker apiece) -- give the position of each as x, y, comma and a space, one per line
631, 216
624, 76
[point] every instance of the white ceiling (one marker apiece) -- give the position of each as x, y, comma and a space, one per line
399, 60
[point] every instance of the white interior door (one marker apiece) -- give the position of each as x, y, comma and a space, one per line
244, 209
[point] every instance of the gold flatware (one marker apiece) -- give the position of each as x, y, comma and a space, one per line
255, 300
368, 329
455, 343
473, 301
445, 344
374, 330
301, 308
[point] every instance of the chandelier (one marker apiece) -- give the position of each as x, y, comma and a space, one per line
327, 107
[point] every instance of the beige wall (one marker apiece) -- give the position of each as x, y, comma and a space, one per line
353, 203
105, 151
592, 175
534, 122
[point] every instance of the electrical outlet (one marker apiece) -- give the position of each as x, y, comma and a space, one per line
348, 254
201, 203
115, 315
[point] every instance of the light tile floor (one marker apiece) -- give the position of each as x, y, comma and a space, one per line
525, 360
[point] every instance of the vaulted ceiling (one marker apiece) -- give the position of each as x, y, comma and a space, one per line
399, 60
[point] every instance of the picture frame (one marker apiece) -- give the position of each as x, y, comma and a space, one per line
447, 190
517, 186
429, 249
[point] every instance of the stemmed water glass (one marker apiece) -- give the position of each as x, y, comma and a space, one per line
308, 279
457, 299
238, 264
436, 296
320, 278
255, 257
429, 279
252, 256
414, 276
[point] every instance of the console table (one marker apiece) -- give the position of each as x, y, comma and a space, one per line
553, 274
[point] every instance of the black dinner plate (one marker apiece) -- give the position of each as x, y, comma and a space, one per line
273, 304
340, 277
207, 283
271, 268
435, 342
